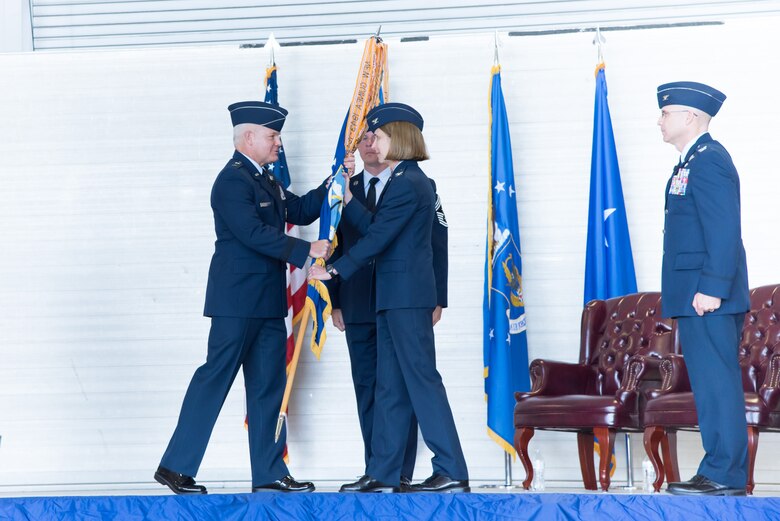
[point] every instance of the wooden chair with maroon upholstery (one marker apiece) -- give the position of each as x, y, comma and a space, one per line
601, 394
672, 407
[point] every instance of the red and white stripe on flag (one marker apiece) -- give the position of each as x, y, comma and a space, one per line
296, 296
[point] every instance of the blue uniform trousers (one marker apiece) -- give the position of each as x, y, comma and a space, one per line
259, 346
709, 344
407, 379
361, 340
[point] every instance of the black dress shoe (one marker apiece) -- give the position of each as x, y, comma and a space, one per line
368, 484
406, 481
179, 483
286, 484
703, 487
693, 481
357, 485
441, 483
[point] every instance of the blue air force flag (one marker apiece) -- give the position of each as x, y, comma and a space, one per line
609, 265
505, 347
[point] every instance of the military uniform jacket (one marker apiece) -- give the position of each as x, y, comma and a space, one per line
398, 238
247, 276
355, 296
703, 249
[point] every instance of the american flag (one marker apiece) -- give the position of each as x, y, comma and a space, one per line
296, 278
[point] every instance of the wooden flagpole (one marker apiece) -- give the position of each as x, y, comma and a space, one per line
293, 368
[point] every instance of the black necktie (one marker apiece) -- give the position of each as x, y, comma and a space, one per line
371, 196
268, 176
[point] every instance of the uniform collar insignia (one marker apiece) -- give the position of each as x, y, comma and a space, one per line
237, 163
375, 121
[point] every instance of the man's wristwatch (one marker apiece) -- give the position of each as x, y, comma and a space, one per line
330, 270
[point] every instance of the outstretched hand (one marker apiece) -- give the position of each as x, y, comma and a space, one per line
349, 169
318, 272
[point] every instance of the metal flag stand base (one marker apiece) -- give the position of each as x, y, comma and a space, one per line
629, 467
507, 485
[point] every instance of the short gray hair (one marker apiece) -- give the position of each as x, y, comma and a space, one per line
239, 131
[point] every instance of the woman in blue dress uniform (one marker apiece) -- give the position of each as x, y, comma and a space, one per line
398, 238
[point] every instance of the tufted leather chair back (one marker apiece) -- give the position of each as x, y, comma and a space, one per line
760, 335
613, 330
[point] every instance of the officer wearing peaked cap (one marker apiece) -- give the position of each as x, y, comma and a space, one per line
704, 282
398, 238
246, 300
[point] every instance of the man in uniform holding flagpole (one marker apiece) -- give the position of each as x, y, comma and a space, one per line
704, 282
246, 300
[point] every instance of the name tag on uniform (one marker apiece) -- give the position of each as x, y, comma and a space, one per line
265, 204
679, 182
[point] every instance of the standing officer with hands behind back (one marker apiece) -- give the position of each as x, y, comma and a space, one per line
704, 282
246, 300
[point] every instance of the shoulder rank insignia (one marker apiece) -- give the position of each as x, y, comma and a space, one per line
440, 212
701, 148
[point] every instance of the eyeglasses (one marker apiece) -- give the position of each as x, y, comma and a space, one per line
665, 113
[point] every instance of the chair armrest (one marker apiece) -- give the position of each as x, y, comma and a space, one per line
674, 376
770, 389
550, 378
641, 368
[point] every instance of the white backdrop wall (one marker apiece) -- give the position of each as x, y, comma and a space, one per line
107, 160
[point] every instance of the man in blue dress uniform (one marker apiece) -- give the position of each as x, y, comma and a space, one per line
246, 300
704, 282
354, 309
398, 238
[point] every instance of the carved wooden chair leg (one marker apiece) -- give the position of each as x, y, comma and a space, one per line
654, 434
669, 452
523, 436
606, 438
752, 450
585, 448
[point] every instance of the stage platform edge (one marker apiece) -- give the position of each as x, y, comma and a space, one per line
381, 507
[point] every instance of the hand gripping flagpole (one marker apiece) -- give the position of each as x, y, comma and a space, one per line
371, 74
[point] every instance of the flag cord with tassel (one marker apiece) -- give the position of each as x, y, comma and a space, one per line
368, 85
